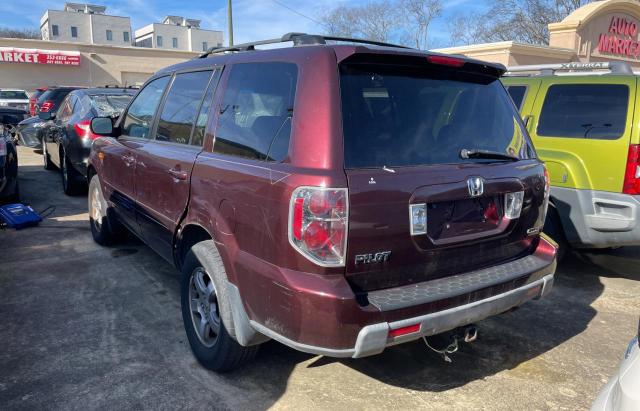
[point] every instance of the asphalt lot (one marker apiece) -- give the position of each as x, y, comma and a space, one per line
85, 327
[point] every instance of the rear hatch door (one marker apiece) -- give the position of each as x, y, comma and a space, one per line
405, 125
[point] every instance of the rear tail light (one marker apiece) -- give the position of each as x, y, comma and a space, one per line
83, 130
513, 205
46, 106
446, 61
632, 173
318, 221
3, 147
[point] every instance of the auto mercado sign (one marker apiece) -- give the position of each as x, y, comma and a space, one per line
621, 38
33, 56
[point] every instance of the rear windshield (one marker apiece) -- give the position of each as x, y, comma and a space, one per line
55, 95
106, 105
13, 95
409, 116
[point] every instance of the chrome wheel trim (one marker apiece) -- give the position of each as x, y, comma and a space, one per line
96, 208
203, 306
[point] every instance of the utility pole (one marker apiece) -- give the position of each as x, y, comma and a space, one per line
230, 23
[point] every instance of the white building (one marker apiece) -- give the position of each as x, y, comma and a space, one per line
85, 23
178, 33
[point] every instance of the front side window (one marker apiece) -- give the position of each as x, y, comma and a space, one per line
139, 118
404, 115
74, 31
109, 35
54, 30
181, 106
517, 94
256, 112
159, 41
595, 111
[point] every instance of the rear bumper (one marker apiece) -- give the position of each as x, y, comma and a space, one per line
598, 219
316, 321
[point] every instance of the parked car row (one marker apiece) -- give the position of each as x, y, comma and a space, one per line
341, 199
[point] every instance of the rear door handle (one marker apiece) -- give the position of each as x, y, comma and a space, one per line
128, 160
178, 174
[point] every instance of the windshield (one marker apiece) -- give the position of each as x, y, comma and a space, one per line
109, 105
13, 95
409, 116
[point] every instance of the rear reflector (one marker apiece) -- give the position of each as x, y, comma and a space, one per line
446, 61
632, 172
410, 329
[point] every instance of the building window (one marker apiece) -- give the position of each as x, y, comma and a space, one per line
159, 41
219, 44
125, 36
109, 35
175, 42
205, 46
74, 31
54, 30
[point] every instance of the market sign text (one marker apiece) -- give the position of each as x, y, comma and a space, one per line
32, 56
621, 39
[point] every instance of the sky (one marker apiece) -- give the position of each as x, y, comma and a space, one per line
253, 19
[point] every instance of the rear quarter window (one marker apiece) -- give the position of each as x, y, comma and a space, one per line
256, 112
593, 111
517, 94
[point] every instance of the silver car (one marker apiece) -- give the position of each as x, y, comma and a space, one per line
14, 98
622, 392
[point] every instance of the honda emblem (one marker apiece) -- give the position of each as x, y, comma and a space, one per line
476, 186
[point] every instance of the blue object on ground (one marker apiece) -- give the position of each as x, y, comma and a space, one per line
19, 216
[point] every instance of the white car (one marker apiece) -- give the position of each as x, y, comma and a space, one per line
14, 98
622, 392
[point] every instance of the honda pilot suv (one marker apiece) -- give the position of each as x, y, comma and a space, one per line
338, 198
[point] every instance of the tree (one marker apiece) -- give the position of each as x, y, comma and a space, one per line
19, 33
375, 21
525, 21
419, 14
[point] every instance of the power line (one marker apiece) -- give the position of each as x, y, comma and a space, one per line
298, 13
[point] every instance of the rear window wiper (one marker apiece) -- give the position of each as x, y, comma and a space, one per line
465, 153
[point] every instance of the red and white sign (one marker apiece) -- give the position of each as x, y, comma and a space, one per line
622, 38
33, 56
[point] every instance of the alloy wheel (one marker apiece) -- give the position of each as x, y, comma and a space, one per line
96, 208
203, 301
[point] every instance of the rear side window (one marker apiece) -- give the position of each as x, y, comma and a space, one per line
517, 94
256, 112
596, 111
181, 106
397, 115
140, 114
203, 115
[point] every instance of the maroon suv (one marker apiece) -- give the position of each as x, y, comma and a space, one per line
336, 198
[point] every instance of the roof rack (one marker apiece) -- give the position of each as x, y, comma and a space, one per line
615, 67
298, 39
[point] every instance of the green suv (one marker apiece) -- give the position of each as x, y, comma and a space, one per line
583, 122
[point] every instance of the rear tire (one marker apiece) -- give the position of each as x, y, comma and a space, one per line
553, 228
45, 157
206, 311
105, 228
70, 177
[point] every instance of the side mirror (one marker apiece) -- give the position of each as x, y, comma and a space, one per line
102, 126
46, 115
